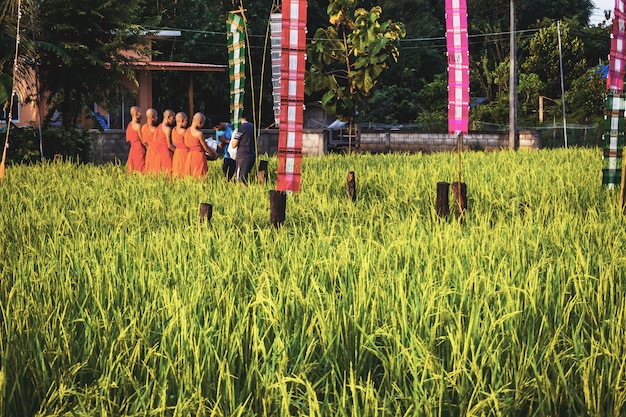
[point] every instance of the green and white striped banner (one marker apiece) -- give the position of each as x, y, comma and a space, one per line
236, 65
614, 131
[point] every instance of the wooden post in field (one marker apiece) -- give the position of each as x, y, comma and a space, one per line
351, 185
442, 206
206, 212
278, 204
460, 194
262, 175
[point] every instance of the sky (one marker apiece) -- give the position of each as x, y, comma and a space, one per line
597, 14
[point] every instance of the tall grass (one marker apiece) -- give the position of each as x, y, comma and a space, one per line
115, 301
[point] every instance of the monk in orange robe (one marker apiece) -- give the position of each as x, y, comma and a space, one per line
198, 149
180, 149
148, 134
137, 152
163, 143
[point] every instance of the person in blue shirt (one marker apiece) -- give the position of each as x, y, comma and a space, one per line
223, 135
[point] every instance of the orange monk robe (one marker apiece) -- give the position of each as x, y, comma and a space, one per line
137, 152
180, 153
163, 154
195, 164
148, 138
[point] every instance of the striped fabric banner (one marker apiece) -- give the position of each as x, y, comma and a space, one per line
617, 58
613, 139
276, 37
236, 65
291, 95
458, 66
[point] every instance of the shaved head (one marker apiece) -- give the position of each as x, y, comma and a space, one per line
199, 118
151, 116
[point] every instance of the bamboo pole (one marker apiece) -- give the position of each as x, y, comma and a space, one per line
458, 189
622, 188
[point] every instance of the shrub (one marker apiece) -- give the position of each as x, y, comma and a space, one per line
24, 144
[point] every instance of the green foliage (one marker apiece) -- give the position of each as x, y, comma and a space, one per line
420, 53
587, 97
393, 105
486, 15
76, 40
81, 49
433, 103
24, 144
544, 60
6, 83
492, 115
347, 58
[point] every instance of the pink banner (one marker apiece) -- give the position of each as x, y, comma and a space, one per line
458, 66
291, 95
617, 58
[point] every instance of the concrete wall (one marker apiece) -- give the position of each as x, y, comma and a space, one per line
412, 141
111, 145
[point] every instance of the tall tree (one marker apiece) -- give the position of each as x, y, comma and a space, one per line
203, 39
81, 49
544, 60
347, 58
8, 33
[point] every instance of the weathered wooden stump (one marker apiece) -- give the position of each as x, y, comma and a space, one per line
206, 212
278, 204
351, 185
442, 205
262, 175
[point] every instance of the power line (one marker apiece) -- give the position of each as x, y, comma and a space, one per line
424, 39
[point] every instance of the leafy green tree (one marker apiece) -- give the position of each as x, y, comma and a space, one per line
433, 104
421, 52
347, 58
587, 97
544, 60
393, 105
81, 50
203, 39
529, 87
8, 31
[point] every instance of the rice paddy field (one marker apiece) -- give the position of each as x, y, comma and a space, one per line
115, 301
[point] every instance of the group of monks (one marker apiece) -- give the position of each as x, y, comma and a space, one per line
168, 147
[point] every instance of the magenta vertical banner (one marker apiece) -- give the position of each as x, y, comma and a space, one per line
458, 66
617, 58
291, 95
